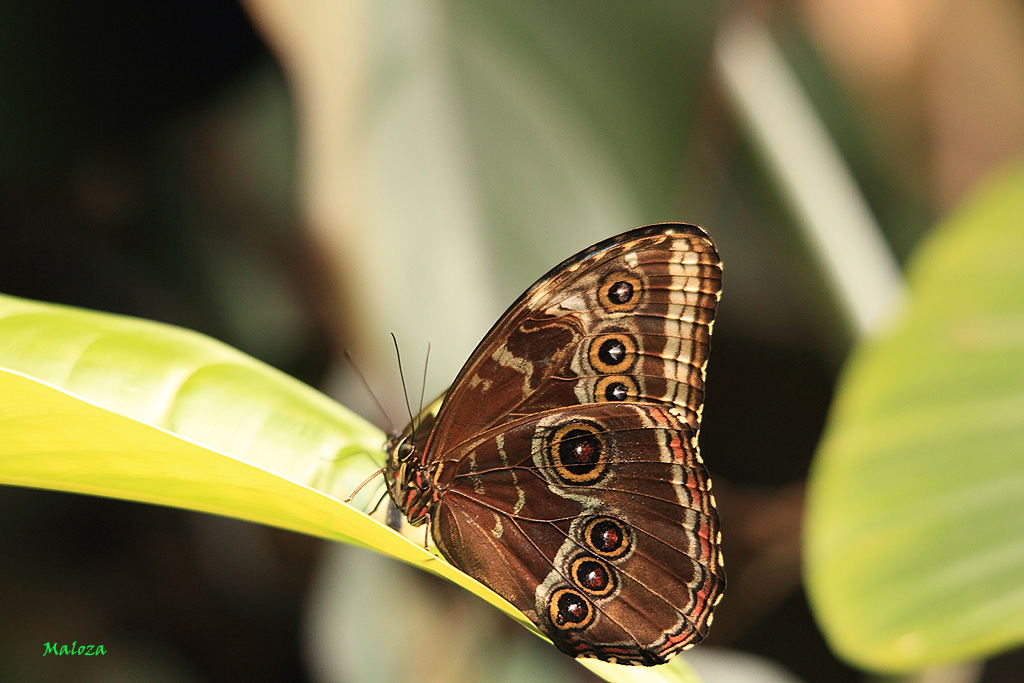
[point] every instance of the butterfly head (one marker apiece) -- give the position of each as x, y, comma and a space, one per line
401, 452
402, 463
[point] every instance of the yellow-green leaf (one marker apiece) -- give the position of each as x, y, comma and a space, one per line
915, 526
133, 409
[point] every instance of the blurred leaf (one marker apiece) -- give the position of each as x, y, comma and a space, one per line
915, 527
676, 671
455, 150
897, 199
127, 408
527, 118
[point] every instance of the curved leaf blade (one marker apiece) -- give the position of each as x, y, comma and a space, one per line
117, 406
56, 441
915, 524
193, 386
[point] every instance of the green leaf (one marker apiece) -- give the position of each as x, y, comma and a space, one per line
126, 408
915, 522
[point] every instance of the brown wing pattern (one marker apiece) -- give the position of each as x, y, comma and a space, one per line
518, 507
563, 470
630, 317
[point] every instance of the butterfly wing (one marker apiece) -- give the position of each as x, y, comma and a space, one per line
596, 521
627, 319
564, 462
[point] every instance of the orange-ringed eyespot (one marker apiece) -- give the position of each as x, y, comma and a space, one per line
568, 609
619, 292
615, 388
612, 353
592, 575
607, 537
578, 453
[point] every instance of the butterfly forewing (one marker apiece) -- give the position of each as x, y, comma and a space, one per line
566, 341
563, 471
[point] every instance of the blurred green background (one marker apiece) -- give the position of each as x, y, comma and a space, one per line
300, 179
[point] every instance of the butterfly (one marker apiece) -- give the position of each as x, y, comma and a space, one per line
561, 468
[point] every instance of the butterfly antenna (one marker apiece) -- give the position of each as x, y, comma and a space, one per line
380, 406
405, 390
423, 387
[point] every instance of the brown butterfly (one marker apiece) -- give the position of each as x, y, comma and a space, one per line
561, 469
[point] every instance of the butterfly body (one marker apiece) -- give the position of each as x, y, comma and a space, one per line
561, 469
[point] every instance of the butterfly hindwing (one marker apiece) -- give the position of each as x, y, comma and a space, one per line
614, 492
